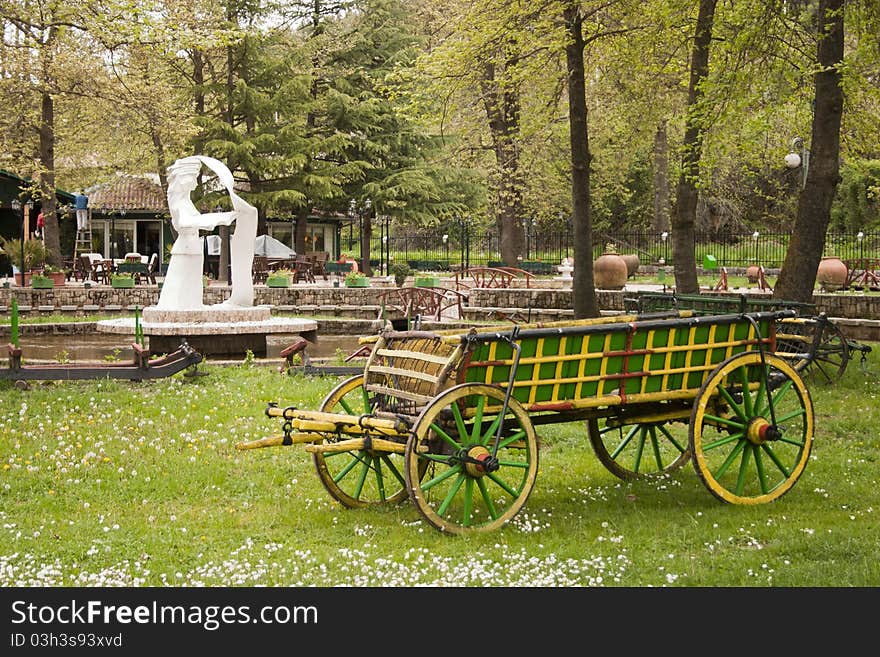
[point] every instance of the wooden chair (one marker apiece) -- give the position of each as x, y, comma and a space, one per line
302, 270
429, 302
260, 269
82, 268
319, 261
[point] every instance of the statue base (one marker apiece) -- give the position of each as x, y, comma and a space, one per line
213, 331
218, 313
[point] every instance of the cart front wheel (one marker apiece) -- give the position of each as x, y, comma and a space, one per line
641, 449
481, 466
358, 477
756, 450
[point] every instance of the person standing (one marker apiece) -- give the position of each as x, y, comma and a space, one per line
81, 204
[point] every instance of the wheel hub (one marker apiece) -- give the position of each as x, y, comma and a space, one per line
478, 461
760, 431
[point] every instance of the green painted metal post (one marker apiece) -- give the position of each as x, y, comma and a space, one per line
138, 329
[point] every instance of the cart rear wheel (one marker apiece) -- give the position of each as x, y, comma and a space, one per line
755, 452
469, 485
359, 477
635, 450
794, 339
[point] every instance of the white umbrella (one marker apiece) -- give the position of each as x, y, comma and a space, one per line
266, 245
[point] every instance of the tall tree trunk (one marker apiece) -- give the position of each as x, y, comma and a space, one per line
661, 179
585, 303
798, 275
686, 193
47, 179
502, 110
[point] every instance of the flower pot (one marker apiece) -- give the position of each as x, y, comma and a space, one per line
632, 264
122, 281
39, 282
831, 274
426, 281
609, 271
358, 282
278, 281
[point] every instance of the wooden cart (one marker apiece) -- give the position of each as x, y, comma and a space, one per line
449, 419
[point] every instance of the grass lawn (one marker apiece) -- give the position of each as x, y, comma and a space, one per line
117, 483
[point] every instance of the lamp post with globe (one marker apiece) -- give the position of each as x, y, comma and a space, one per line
799, 157
16, 207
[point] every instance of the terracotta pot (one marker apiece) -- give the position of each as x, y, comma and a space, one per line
609, 271
632, 264
831, 274
752, 274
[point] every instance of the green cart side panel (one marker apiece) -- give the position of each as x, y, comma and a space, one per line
646, 359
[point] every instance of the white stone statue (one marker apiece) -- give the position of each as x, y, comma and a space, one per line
182, 288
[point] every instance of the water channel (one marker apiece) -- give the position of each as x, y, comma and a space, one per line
106, 346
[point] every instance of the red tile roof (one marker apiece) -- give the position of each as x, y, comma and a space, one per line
135, 193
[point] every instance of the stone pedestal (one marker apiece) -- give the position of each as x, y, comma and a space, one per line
213, 331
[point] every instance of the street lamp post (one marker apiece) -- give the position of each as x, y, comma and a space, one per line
755, 237
16, 207
446, 246
665, 236
799, 157
354, 210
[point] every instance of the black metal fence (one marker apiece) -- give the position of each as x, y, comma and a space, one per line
461, 244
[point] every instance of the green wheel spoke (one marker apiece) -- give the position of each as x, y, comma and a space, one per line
762, 476
730, 459
453, 491
798, 412
487, 500
355, 459
393, 469
362, 477
681, 448
380, 479
445, 436
743, 468
640, 448
514, 464
507, 488
725, 421
656, 445
443, 476
760, 394
467, 510
459, 421
747, 398
726, 440
478, 419
781, 393
623, 443
724, 392
519, 435
779, 464
489, 433
346, 406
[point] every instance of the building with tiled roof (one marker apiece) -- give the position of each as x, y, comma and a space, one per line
134, 194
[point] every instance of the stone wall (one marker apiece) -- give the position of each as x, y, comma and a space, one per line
539, 304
